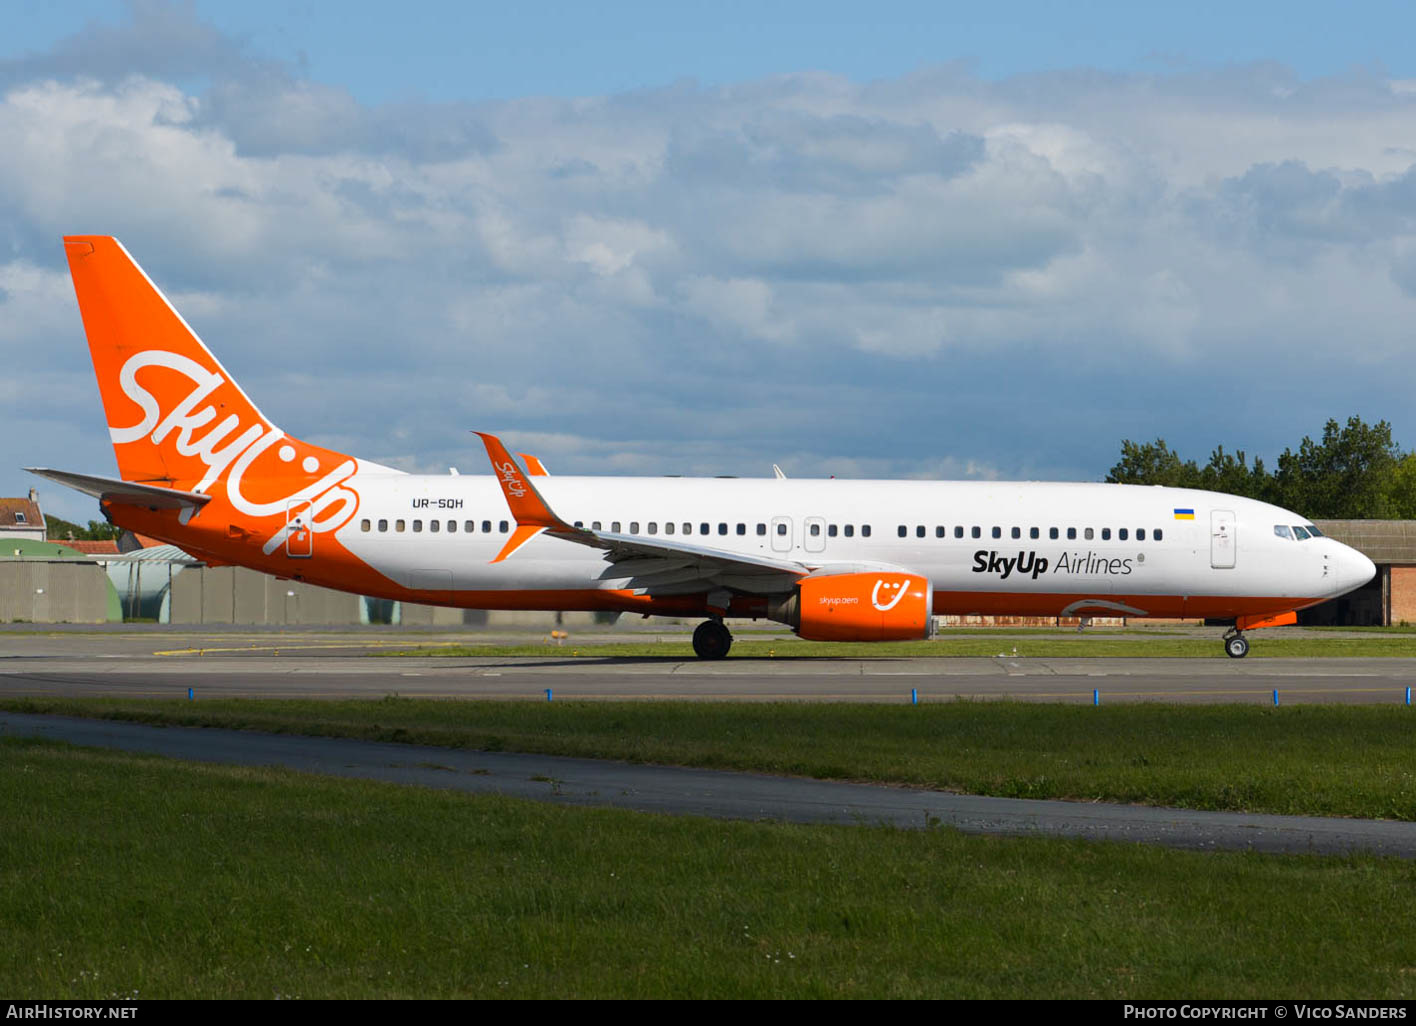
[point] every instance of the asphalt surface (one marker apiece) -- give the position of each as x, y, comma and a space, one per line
589, 782
340, 663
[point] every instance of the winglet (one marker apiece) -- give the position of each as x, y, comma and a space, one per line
534, 467
530, 510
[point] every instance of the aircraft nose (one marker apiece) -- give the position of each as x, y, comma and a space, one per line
1352, 569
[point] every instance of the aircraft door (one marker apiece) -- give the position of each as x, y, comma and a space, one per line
1223, 539
813, 537
781, 534
299, 539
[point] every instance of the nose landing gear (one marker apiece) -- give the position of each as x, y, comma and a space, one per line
712, 640
1236, 646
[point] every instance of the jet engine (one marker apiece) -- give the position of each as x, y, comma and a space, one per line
872, 606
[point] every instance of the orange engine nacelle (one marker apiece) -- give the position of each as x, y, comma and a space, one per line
872, 606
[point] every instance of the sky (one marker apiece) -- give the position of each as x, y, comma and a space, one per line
908, 240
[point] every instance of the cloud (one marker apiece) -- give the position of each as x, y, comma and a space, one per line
928, 274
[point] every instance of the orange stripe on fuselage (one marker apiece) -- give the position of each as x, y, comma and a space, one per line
1017, 603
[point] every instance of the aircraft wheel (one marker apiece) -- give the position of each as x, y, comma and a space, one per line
1236, 647
712, 640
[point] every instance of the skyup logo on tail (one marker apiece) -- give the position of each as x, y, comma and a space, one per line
230, 453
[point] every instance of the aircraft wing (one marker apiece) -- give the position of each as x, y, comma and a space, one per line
647, 565
127, 492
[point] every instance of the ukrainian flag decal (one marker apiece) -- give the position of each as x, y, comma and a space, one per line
1184, 514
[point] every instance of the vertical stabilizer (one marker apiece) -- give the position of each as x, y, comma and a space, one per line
160, 384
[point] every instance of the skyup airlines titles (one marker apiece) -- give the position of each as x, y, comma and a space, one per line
988, 561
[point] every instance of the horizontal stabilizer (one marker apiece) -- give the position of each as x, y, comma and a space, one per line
129, 493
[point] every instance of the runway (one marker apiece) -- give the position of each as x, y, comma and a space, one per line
345, 663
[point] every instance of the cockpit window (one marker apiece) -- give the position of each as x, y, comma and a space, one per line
1282, 531
1314, 531
1301, 533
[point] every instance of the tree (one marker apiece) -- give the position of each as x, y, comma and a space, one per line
1230, 473
60, 530
1356, 471
1350, 474
1153, 463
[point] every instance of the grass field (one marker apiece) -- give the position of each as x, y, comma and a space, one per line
1310, 760
132, 876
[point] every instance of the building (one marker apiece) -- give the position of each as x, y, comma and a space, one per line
21, 519
1390, 597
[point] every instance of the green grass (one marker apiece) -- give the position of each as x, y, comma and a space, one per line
132, 876
1142, 644
1303, 760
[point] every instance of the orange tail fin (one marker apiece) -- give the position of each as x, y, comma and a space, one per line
159, 383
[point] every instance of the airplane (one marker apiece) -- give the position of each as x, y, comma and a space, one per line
840, 560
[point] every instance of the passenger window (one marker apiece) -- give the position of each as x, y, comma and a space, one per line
831, 531
940, 532
365, 526
1017, 532
383, 525
742, 529
486, 527
504, 527
687, 528
580, 523
1052, 533
398, 526
1106, 534
959, 531
1140, 534
452, 527
434, 526
634, 527
976, 532
865, 530
1033, 532
1088, 534
903, 530
614, 527
1158, 534
1122, 534
417, 526
782, 530
1071, 534
669, 527
653, 527
469, 526
703, 529
850, 530
919, 531
998, 532
815, 530
594, 525
761, 529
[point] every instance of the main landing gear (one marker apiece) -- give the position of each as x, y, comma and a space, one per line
1236, 646
712, 640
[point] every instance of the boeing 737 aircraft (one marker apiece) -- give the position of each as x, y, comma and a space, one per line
201, 467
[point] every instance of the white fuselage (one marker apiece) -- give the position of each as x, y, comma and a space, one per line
1034, 548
